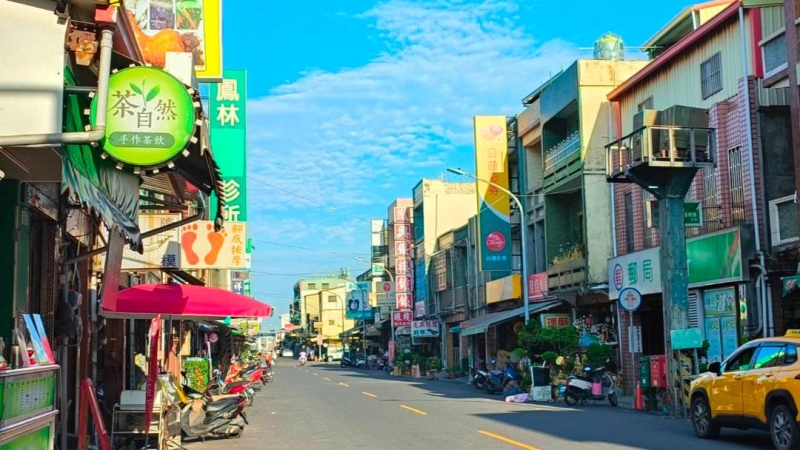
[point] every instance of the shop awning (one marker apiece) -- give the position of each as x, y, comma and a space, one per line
184, 301
790, 283
482, 323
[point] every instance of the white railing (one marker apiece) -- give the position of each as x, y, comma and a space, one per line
562, 150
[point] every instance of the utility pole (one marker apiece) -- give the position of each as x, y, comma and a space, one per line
656, 157
794, 91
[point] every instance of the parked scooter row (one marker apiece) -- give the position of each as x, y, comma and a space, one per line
219, 411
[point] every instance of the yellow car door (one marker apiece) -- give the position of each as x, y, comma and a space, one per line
759, 380
726, 392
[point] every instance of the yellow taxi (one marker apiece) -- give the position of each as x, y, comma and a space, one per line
757, 386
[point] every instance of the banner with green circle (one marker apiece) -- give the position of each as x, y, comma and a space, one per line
151, 117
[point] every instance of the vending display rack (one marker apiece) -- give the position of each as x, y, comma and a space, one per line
27, 400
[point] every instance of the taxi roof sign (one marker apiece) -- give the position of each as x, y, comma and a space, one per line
793, 333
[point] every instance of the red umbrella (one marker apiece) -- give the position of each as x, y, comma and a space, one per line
183, 301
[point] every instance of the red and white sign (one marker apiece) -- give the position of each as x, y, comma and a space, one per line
403, 266
391, 350
401, 215
404, 300
402, 232
537, 286
401, 318
387, 287
405, 283
402, 249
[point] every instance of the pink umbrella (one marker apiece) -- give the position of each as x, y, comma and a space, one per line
183, 301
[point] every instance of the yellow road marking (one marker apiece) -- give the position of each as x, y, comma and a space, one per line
344, 384
316, 374
422, 413
507, 440
369, 395
306, 370
327, 379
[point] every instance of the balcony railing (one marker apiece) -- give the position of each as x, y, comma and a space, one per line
661, 146
561, 151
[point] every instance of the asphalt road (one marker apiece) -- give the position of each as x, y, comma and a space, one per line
321, 406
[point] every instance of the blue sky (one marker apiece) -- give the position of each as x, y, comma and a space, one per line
352, 103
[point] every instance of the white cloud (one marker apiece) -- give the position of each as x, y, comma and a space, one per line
359, 137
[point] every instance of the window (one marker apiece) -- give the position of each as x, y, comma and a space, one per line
773, 50
331, 299
791, 355
710, 202
326, 285
711, 75
312, 285
646, 104
649, 233
630, 246
740, 361
769, 356
783, 220
736, 180
331, 322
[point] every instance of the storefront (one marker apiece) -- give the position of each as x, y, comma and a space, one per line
719, 297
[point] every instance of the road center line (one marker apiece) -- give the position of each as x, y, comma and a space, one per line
369, 395
344, 384
327, 379
507, 440
422, 413
316, 374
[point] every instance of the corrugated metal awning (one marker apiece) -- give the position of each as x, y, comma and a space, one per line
482, 323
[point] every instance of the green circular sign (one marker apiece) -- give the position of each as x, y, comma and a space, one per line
151, 117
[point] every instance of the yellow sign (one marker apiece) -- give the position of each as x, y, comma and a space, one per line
793, 333
163, 26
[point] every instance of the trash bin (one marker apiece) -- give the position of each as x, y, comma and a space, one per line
644, 372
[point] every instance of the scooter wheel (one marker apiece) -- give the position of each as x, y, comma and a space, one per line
479, 385
612, 398
571, 398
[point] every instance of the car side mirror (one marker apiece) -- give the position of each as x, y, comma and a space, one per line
715, 367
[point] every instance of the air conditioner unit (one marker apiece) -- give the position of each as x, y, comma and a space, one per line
783, 220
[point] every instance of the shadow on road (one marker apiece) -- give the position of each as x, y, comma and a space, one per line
608, 425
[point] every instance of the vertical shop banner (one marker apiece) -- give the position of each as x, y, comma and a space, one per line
183, 26
494, 209
228, 118
403, 254
152, 372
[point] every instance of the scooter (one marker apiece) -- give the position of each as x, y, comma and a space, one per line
597, 384
495, 380
222, 418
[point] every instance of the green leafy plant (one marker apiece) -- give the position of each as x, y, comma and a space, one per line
537, 339
196, 373
599, 354
434, 363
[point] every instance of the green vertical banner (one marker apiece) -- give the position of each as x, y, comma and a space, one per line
228, 116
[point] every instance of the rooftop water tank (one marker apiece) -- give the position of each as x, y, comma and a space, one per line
609, 48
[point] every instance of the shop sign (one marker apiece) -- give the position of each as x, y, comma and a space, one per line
555, 320
404, 300
401, 318
151, 117
228, 122
424, 329
714, 258
640, 270
494, 207
506, 288
186, 26
204, 248
237, 286
537, 286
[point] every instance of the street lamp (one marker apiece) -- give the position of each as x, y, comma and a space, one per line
387, 272
523, 235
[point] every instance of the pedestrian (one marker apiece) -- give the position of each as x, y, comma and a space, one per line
269, 360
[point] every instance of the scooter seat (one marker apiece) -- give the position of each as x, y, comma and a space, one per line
219, 405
